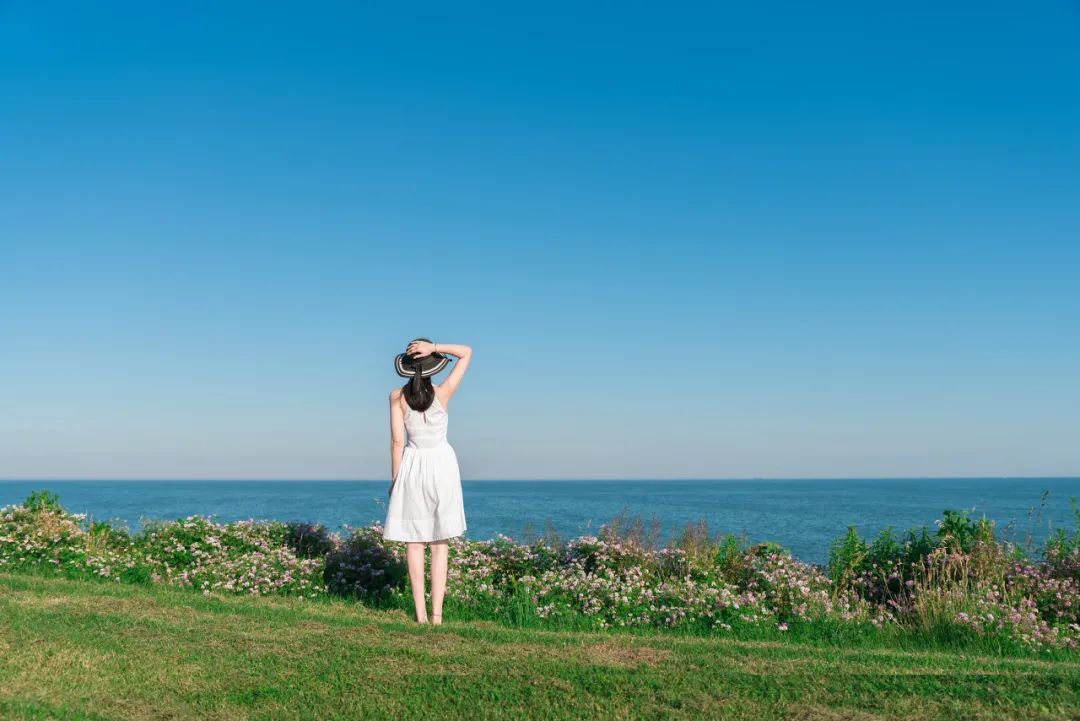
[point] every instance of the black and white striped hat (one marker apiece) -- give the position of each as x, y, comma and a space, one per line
408, 367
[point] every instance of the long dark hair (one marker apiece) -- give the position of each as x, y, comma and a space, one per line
419, 393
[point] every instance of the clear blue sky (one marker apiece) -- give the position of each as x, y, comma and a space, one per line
770, 239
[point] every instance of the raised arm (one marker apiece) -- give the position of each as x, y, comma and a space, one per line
463, 353
397, 435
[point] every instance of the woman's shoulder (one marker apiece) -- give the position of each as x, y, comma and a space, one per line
441, 394
395, 394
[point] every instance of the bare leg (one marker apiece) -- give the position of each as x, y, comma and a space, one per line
439, 553
414, 557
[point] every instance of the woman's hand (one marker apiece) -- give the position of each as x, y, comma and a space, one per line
420, 349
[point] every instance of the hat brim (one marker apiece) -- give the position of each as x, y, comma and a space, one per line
424, 367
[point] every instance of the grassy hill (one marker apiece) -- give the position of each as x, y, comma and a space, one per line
77, 649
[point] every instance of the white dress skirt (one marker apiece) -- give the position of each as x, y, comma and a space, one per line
426, 502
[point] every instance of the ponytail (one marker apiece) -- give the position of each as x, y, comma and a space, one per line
419, 393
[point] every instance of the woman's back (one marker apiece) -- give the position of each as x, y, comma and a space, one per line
427, 429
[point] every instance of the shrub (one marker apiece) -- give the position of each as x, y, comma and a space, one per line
960, 582
308, 540
365, 566
247, 557
847, 557
42, 501
1063, 547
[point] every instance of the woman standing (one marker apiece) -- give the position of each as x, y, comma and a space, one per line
426, 505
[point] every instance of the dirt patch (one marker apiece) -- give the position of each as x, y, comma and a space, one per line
432, 644
611, 653
106, 604
370, 633
621, 654
820, 713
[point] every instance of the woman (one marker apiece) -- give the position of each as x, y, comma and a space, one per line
425, 494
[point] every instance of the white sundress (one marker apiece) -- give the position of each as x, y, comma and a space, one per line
426, 502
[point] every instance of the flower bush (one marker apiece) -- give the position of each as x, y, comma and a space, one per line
959, 580
241, 557
39, 533
365, 566
963, 576
309, 540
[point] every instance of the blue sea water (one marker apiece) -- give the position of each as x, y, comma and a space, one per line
802, 515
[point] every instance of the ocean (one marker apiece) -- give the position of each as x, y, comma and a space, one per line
802, 515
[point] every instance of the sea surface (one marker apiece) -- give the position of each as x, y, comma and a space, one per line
802, 515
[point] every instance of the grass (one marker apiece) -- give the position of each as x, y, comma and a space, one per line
75, 649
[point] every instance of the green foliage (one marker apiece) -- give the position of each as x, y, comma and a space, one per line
958, 583
847, 557
917, 545
731, 560
1062, 543
958, 531
309, 540
364, 566
42, 500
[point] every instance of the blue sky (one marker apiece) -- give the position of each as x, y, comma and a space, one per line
754, 240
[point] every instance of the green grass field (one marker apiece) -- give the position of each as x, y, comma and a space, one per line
92, 650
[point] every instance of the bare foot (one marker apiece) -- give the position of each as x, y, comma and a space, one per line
436, 619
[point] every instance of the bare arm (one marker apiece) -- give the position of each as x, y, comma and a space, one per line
462, 352
397, 436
